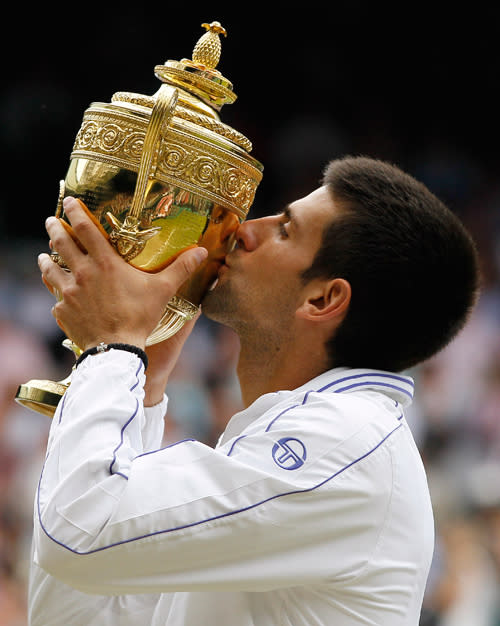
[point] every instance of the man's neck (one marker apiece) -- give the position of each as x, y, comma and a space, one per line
268, 371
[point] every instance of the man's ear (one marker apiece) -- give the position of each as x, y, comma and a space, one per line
325, 300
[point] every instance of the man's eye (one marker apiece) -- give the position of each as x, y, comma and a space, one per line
282, 228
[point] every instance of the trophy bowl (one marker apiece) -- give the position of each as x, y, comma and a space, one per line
160, 174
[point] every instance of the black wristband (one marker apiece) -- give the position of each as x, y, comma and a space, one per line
105, 347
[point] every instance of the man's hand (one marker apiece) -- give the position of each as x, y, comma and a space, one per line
103, 298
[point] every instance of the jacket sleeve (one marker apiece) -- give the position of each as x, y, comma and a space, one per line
112, 517
51, 601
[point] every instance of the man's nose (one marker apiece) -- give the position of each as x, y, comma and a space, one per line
252, 233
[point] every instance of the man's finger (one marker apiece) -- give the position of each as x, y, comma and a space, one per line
183, 267
63, 242
72, 234
50, 287
87, 229
53, 276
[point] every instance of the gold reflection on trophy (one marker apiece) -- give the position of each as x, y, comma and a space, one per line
160, 174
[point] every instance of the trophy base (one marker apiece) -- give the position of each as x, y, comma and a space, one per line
177, 313
43, 396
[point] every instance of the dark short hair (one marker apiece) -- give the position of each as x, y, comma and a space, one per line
412, 266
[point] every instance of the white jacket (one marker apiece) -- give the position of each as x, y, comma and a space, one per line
312, 510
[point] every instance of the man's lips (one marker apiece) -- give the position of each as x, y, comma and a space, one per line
215, 262
222, 268
224, 262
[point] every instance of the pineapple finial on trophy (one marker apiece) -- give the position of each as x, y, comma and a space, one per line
198, 75
207, 50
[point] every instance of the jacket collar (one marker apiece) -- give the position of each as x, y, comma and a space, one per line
344, 380
339, 380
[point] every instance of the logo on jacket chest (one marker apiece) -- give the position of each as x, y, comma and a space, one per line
289, 453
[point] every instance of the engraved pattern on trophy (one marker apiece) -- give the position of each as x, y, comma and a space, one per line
121, 143
159, 174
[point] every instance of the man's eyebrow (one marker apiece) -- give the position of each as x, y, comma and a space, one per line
288, 213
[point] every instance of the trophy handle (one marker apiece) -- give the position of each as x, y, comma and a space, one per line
126, 236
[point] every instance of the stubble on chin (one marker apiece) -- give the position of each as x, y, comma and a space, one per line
218, 304
224, 305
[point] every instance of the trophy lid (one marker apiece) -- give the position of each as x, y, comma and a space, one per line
203, 90
192, 148
199, 75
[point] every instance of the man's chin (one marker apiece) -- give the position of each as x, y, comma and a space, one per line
211, 301
217, 302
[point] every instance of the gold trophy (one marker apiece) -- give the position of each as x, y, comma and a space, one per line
160, 174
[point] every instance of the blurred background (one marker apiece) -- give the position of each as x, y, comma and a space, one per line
416, 84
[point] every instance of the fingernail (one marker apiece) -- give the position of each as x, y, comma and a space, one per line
201, 254
49, 220
68, 201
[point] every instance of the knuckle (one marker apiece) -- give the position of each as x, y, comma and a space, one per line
56, 238
185, 266
82, 225
67, 292
78, 274
187, 263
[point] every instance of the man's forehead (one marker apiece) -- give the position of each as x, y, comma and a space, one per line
318, 202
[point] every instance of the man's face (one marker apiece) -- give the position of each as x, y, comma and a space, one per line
260, 285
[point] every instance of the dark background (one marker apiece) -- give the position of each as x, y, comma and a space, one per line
413, 83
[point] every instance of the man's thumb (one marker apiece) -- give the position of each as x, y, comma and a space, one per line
184, 265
